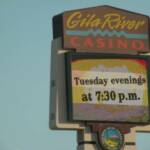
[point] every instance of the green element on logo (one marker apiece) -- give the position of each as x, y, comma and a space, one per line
112, 139
104, 33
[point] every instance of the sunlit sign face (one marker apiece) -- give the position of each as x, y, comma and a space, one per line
108, 88
104, 29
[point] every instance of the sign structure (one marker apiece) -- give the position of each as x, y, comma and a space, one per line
114, 86
105, 97
103, 29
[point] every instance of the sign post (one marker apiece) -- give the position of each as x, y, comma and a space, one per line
100, 76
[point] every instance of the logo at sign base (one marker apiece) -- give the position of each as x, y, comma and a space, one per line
111, 139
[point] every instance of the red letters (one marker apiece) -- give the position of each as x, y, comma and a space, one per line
138, 45
105, 43
74, 41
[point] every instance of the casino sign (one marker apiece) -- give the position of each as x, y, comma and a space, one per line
103, 29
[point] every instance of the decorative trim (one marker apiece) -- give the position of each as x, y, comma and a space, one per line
104, 33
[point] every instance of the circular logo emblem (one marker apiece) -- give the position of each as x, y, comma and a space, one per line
111, 139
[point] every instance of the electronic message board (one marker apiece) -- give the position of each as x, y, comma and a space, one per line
102, 29
107, 88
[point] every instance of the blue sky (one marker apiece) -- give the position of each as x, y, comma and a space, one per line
25, 44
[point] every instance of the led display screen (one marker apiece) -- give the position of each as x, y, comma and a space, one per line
111, 88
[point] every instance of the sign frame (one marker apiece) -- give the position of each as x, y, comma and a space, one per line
69, 56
